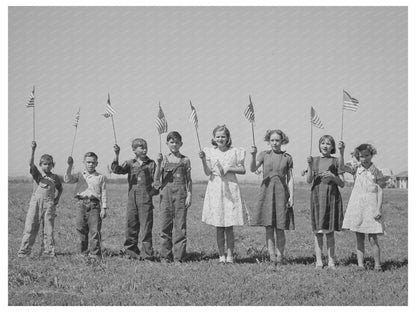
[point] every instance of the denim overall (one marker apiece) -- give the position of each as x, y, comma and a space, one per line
173, 211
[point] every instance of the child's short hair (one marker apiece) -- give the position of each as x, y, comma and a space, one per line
331, 140
91, 154
46, 158
285, 138
138, 142
173, 135
362, 147
227, 133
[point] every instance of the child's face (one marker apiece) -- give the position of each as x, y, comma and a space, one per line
220, 138
140, 151
174, 145
275, 141
365, 157
90, 164
46, 166
325, 147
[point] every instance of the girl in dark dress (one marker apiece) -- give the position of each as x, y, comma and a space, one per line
326, 203
275, 200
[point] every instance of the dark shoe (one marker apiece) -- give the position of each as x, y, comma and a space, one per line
378, 268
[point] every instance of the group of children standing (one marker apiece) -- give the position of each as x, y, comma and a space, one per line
170, 177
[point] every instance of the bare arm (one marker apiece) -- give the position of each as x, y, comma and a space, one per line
158, 170
206, 164
32, 156
254, 164
309, 173
342, 166
290, 184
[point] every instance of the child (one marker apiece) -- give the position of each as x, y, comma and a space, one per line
47, 190
175, 198
364, 215
326, 202
91, 196
223, 205
276, 193
140, 171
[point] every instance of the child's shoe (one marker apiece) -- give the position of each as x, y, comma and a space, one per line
378, 268
230, 259
23, 255
222, 259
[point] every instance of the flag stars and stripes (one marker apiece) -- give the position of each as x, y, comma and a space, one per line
249, 112
350, 103
161, 122
109, 110
76, 121
31, 101
193, 118
315, 120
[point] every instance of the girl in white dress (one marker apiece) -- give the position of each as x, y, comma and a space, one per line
364, 215
223, 206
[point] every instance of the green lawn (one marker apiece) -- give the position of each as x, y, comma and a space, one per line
73, 280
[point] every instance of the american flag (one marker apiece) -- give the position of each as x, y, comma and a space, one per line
76, 121
31, 102
349, 102
249, 111
315, 119
109, 110
193, 117
160, 122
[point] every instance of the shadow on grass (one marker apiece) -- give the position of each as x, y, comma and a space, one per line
369, 263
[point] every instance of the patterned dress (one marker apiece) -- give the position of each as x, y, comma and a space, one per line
363, 204
271, 208
223, 205
326, 202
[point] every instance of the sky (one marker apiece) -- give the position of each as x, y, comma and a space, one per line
286, 58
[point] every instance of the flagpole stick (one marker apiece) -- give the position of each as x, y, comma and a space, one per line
342, 119
310, 149
160, 143
33, 123
114, 129
252, 131
73, 141
197, 136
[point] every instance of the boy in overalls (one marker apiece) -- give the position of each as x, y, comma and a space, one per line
140, 172
47, 190
175, 198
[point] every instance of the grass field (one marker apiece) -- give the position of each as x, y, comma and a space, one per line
70, 279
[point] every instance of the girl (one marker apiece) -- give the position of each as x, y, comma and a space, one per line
223, 205
326, 203
363, 215
276, 193
47, 190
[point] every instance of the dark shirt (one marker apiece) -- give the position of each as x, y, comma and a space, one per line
140, 175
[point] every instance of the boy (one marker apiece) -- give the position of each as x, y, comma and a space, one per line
42, 207
175, 198
91, 195
140, 172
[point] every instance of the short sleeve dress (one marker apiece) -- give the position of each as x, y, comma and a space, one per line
272, 208
326, 202
223, 205
362, 206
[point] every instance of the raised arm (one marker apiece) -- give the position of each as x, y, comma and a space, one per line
309, 173
68, 177
188, 200
32, 156
115, 167
158, 170
254, 164
342, 166
206, 164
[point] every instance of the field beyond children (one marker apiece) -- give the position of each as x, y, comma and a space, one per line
71, 279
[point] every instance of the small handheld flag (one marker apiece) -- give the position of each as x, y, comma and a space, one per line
194, 119
109, 110
249, 114
76, 121
249, 111
315, 120
31, 102
161, 122
350, 103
